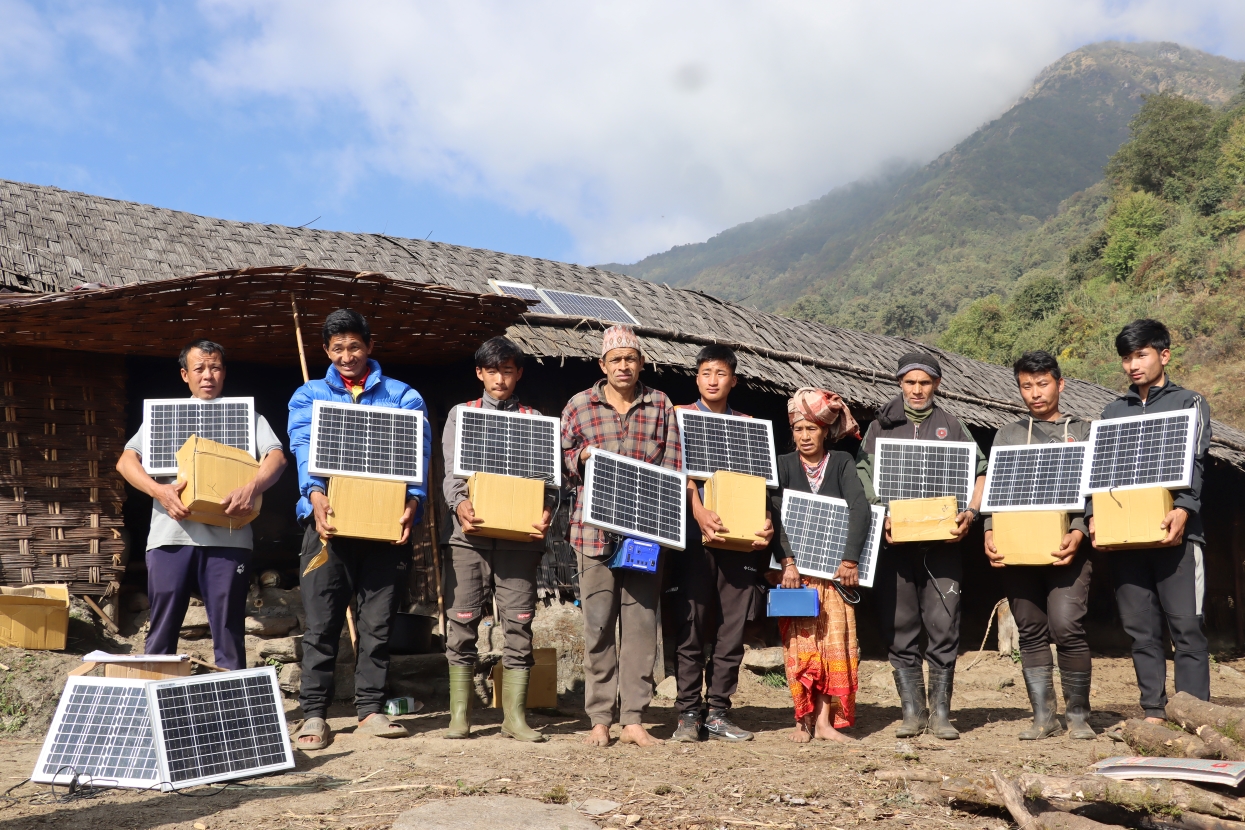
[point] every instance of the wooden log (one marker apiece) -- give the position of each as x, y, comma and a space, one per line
929, 775
1220, 744
971, 791
1190, 713
1157, 739
1015, 804
1151, 795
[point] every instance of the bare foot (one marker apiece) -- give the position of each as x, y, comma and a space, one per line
826, 732
1156, 720
800, 733
599, 736
638, 735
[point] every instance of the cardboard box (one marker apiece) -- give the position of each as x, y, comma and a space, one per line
212, 471
35, 617
367, 508
1125, 519
739, 501
542, 684
1029, 537
923, 520
148, 670
507, 506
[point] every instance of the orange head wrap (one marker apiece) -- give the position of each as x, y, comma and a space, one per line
821, 406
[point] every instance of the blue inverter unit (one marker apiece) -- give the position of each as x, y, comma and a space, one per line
636, 555
793, 602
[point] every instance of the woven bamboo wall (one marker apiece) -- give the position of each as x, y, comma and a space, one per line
60, 497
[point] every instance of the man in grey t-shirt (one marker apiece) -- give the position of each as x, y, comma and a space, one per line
183, 554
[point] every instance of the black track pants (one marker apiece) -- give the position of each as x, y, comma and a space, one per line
909, 600
1049, 603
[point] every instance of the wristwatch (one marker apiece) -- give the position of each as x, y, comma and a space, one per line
976, 513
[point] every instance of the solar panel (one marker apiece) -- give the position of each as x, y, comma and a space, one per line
816, 528
924, 469
509, 444
1035, 477
216, 727
713, 442
366, 441
588, 305
101, 732
1141, 451
169, 422
635, 499
524, 291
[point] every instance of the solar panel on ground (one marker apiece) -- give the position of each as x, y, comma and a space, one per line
222, 726
1141, 451
101, 732
1035, 477
816, 528
713, 442
924, 469
588, 305
631, 498
524, 291
508, 443
366, 441
169, 422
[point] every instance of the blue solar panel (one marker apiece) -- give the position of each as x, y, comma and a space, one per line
524, 292
589, 305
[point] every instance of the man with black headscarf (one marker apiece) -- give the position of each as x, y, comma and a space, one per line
918, 583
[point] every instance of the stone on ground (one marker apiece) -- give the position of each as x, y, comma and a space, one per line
668, 688
764, 660
598, 806
495, 812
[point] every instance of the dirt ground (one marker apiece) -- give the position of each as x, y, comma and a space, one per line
361, 782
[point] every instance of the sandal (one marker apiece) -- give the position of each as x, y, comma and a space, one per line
379, 726
317, 730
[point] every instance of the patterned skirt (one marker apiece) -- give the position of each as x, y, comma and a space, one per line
823, 656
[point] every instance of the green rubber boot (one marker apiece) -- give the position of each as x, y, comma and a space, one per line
462, 693
514, 703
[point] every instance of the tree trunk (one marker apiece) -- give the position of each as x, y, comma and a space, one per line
1156, 739
1009, 634
1221, 745
1014, 801
1190, 713
1149, 794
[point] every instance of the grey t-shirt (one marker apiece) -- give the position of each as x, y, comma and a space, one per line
168, 531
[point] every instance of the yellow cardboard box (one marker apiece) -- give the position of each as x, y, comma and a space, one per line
367, 508
1125, 519
542, 683
1029, 537
34, 616
212, 471
923, 520
739, 501
507, 506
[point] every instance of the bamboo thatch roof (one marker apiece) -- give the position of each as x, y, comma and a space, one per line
53, 240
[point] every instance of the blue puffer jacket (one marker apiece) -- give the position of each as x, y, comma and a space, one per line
377, 391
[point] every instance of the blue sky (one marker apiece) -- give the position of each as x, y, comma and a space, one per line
583, 132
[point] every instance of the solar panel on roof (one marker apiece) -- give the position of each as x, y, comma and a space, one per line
1035, 477
631, 498
524, 291
816, 529
167, 423
924, 469
588, 305
101, 732
217, 727
381, 442
1141, 451
508, 443
713, 442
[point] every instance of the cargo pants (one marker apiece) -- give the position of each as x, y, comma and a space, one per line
512, 576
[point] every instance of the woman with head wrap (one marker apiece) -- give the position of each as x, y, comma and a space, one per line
822, 655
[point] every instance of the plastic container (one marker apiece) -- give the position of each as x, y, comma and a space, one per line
793, 602
636, 555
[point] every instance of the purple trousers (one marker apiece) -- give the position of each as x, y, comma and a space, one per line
220, 575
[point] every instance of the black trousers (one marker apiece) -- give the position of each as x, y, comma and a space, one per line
1049, 604
1156, 584
370, 572
711, 589
917, 587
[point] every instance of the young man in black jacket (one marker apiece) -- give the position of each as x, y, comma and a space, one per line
1167, 581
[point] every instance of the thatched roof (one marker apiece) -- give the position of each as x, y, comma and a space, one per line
53, 240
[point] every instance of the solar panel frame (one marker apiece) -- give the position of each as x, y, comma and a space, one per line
602, 464
826, 566
516, 422
576, 304
370, 414
732, 427
159, 451
119, 728
524, 291
1066, 460
182, 735
1102, 431
923, 486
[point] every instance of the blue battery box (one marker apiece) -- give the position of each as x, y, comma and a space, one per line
793, 602
636, 555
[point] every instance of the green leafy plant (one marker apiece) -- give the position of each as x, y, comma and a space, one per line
557, 795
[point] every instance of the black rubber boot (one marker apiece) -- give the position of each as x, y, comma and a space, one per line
691, 728
941, 682
1076, 700
910, 684
462, 693
1040, 681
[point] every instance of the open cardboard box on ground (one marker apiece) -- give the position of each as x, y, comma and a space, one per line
1029, 537
1126, 519
923, 520
367, 508
34, 617
212, 471
507, 506
542, 684
739, 501
141, 666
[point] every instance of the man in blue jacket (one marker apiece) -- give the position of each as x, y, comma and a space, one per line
370, 571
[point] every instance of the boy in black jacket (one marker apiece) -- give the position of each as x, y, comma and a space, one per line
1167, 580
